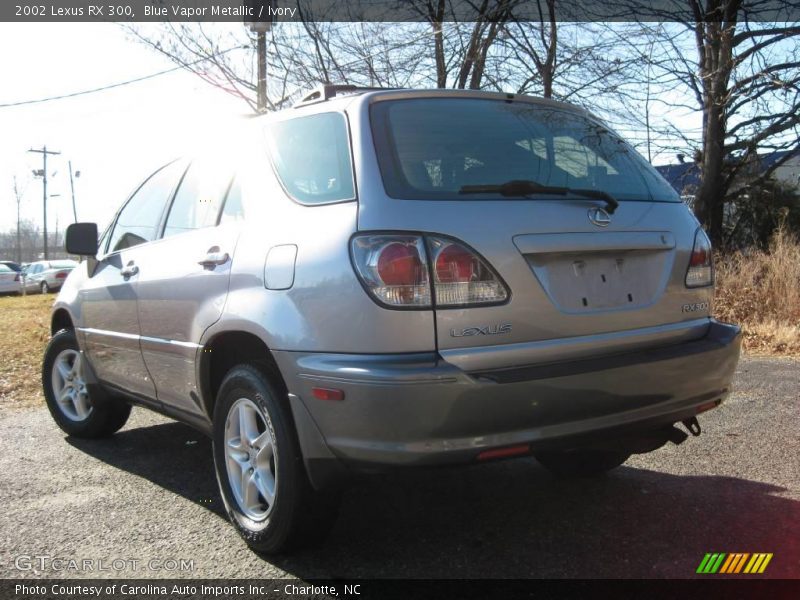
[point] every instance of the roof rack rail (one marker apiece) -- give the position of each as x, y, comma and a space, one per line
327, 91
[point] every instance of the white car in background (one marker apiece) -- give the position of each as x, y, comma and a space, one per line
9, 280
47, 275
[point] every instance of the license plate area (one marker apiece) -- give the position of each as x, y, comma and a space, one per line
583, 283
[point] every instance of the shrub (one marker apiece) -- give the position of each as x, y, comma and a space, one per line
760, 290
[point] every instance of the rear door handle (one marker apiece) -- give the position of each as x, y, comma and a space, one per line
129, 270
214, 258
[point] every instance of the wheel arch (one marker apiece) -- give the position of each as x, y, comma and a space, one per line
227, 349
60, 319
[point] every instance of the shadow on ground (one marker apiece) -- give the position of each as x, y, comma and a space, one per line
505, 520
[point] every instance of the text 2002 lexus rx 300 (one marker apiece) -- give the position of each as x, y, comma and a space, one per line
395, 278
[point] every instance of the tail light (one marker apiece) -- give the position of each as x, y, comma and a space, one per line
62, 275
16, 277
461, 277
395, 270
701, 263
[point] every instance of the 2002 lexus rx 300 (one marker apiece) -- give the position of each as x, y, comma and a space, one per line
395, 278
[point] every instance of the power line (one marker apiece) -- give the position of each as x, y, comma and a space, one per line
116, 85
92, 91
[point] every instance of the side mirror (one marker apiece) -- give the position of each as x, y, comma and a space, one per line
81, 239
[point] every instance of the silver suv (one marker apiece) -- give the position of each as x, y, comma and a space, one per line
395, 278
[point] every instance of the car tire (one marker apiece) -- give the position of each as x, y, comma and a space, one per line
45, 288
580, 462
78, 409
261, 476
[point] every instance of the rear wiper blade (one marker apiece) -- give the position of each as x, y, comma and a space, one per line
526, 187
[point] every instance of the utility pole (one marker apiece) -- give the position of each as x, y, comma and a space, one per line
72, 189
19, 238
44, 152
258, 7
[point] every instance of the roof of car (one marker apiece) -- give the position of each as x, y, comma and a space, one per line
333, 97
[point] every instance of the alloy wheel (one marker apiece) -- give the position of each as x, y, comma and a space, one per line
69, 385
251, 459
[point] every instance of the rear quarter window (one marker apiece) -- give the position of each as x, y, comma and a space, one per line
311, 157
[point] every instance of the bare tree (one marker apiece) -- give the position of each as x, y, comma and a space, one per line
219, 55
25, 241
440, 50
743, 76
749, 96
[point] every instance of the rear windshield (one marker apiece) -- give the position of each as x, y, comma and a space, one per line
430, 148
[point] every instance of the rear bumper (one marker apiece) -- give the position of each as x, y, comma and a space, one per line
418, 409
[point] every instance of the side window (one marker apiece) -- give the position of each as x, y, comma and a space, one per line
311, 156
138, 221
233, 211
199, 198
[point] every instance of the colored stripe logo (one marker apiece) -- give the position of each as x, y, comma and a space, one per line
734, 563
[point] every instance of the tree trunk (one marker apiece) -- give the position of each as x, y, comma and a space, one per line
710, 200
438, 42
715, 52
436, 19
549, 70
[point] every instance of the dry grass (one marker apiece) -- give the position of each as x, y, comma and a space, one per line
761, 292
25, 327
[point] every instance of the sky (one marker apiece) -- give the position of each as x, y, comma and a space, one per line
114, 138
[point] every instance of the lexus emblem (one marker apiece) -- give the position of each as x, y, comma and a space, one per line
599, 217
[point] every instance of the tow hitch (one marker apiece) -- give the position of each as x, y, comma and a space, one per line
693, 426
677, 437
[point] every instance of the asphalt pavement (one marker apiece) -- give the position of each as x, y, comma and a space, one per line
145, 504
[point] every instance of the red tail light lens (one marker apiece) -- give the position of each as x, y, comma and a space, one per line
394, 269
455, 264
16, 277
400, 264
61, 275
701, 262
461, 277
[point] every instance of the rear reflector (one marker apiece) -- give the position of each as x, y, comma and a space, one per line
504, 452
327, 394
707, 406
